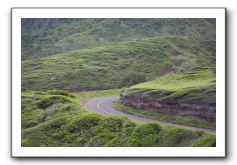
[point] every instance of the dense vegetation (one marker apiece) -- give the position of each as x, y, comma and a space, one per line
56, 118
44, 37
169, 60
113, 66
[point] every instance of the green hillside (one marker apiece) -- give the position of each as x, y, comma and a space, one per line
193, 86
162, 69
187, 98
115, 66
56, 118
44, 37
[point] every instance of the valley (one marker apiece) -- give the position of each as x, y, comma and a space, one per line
89, 82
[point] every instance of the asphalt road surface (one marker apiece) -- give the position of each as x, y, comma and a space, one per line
102, 106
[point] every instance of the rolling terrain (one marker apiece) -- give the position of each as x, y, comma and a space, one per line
187, 98
57, 118
111, 67
162, 69
45, 37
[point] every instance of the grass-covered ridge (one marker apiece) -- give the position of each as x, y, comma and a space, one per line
115, 66
65, 123
178, 82
43, 37
186, 98
192, 86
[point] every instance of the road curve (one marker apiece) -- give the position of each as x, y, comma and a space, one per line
102, 105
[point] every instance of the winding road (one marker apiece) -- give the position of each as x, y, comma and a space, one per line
102, 106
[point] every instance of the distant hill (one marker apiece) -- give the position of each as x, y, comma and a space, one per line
44, 37
115, 66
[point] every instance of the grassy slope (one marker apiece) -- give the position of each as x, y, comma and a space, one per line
45, 37
182, 81
108, 54
106, 67
38, 106
57, 118
197, 86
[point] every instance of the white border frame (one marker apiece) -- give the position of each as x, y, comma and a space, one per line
218, 151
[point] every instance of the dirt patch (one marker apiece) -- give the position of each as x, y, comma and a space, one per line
206, 111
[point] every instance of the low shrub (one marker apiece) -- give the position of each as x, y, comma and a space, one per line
60, 92
146, 129
171, 137
69, 108
141, 135
132, 79
27, 103
59, 135
208, 140
55, 124
84, 123
114, 124
31, 124
31, 117
100, 139
45, 102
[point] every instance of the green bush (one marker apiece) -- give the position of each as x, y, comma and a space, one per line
31, 117
45, 102
27, 103
55, 124
84, 123
145, 135
59, 135
172, 137
146, 129
141, 135
206, 141
132, 79
114, 124
100, 139
31, 124
121, 142
60, 92
69, 108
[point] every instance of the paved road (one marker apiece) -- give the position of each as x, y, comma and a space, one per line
102, 106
